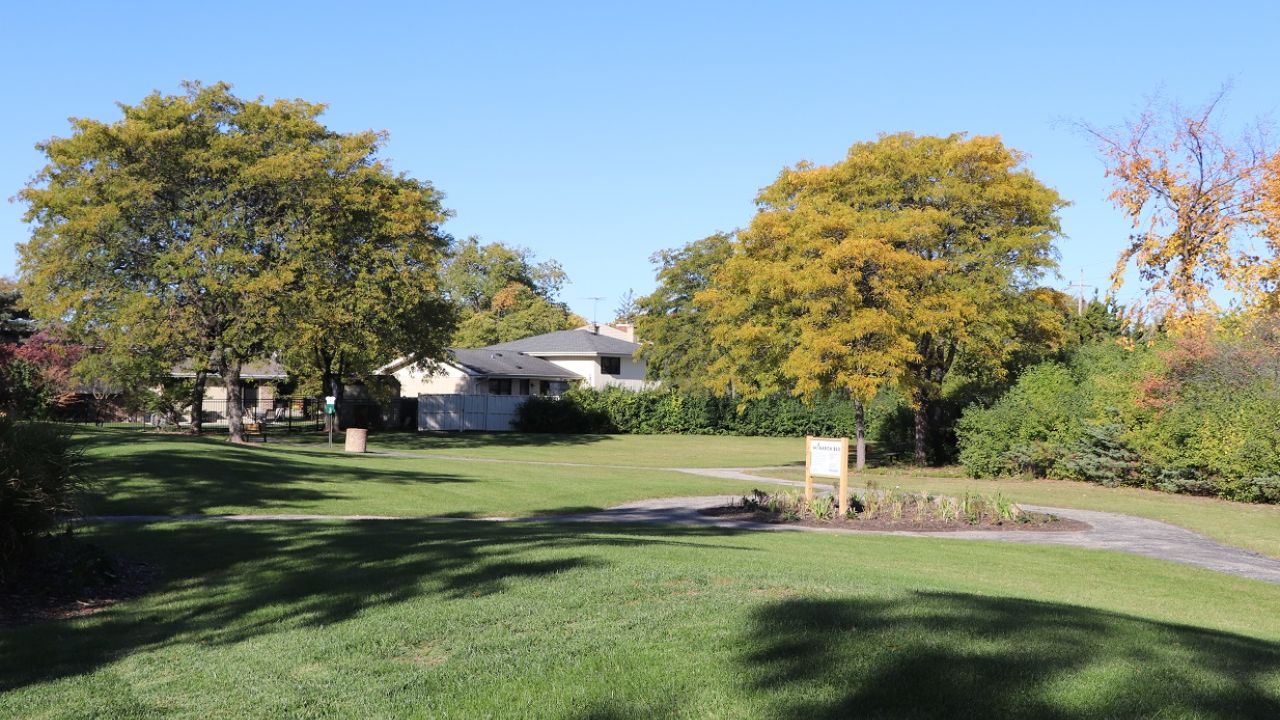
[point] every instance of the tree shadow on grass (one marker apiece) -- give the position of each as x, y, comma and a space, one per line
482, 440
176, 479
227, 583
949, 655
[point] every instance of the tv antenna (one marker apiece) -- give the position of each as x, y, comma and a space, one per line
595, 302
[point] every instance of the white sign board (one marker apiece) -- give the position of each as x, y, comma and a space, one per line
827, 458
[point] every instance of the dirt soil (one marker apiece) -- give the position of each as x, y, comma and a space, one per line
1038, 522
69, 580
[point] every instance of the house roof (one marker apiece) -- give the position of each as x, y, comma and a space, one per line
492, 362
569, 342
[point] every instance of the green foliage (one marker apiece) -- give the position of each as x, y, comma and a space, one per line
674, 330
15, 320
1194, 414
166, 403
207, 229
501, 294
616, 410
894, 505
40, 474
912, 256
24, 390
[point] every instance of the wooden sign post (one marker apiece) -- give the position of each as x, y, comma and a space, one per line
829, 458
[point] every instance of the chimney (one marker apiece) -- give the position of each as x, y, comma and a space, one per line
595, 328
628, 331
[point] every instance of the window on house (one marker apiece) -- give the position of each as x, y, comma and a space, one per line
524, 387
500, 387
611, 365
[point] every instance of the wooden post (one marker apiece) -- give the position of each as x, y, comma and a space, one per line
808, 458
844, 478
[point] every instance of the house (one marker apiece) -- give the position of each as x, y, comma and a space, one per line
481, 371
595, 355
257, 382
480, 388
598, 354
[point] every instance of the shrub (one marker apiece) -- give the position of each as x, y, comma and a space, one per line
39, 480
615, 410
1190, 415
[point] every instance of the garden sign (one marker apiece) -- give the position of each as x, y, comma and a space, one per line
829, 458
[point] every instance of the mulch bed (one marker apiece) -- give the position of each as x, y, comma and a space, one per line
65, 578
1038, 522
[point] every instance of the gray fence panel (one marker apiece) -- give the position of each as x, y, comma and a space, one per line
493, 413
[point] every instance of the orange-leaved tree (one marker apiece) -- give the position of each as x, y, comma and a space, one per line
1188, 191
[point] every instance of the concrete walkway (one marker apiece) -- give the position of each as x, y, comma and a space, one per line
1107, 531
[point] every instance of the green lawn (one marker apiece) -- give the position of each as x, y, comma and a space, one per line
543, 620
637, 450
148, 473
1255, 527
474, 619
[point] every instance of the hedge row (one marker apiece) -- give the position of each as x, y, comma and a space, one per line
615, 410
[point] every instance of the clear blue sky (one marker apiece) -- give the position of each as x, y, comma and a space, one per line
597, 133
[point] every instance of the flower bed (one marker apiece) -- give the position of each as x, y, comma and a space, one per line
895, 509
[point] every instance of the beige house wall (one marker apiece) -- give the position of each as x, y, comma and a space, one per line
631, 376
447, 380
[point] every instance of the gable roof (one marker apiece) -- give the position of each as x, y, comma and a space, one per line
492, 362
569, 342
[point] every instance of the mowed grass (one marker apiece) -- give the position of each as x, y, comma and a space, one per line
1254, 527
628, 450
147, 473
472, 619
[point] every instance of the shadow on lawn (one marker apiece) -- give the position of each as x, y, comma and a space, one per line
947, 655
481, 440
228, 583
170, 477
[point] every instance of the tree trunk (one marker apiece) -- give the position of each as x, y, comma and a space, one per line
197, 403
235, 401
860, 421
921, 411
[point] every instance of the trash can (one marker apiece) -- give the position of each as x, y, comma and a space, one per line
357, 438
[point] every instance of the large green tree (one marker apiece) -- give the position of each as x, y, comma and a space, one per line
185, 231
889, 267
503, 294
367, 285
675, 334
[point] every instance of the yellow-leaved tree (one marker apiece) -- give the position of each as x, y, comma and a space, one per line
886, 268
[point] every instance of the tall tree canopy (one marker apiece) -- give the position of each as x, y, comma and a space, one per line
190, 231
367, 287
887, 268
673, 328
502, 294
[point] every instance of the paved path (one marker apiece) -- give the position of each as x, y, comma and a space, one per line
1108, 531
